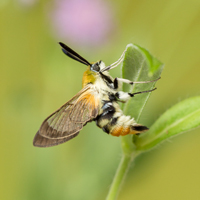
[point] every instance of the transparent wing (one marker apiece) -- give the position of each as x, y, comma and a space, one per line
67, 121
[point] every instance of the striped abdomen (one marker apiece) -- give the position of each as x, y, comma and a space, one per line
114, 122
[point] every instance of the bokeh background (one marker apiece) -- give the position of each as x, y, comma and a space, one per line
37, 78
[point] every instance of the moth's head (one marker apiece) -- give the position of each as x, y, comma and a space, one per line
97, 66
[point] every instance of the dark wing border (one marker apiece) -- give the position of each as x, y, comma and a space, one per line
40, 141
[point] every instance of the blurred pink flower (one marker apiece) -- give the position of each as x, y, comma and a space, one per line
88, 22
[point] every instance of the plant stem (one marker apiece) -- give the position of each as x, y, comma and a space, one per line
120, 176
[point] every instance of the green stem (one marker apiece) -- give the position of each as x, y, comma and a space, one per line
120, 176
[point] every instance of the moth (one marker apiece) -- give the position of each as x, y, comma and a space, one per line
97, 101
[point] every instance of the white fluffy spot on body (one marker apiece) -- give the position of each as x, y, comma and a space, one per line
126, 120
124, 96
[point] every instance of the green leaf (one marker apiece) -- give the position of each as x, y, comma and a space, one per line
178, 119
138, 65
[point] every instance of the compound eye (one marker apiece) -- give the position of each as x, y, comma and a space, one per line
95, 67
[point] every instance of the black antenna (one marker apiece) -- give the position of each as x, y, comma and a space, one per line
72, 54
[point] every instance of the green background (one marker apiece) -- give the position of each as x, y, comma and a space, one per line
36, 79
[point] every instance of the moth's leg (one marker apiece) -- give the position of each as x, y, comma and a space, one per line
125, 96
117, 80
132, 94
115, 64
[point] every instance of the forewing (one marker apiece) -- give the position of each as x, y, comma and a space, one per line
85, 109
66, 122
